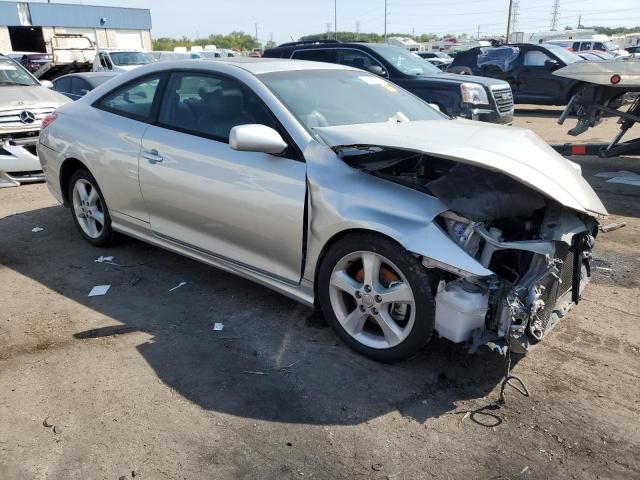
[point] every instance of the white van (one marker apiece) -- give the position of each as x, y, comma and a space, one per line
582, 44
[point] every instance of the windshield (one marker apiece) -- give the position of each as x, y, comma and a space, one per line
343, 97
610, 46
405, 61
563, 54
13, 74
131, 58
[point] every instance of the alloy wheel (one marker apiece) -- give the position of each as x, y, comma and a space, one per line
88, 208
372, 299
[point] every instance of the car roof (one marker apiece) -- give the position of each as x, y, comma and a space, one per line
323, 44
255, 66
89, 76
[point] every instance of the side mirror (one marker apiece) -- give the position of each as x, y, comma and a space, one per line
256, 138
551, 64
47, 83
83, 92
376, 70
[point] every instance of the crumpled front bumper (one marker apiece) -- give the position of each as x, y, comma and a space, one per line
19, 162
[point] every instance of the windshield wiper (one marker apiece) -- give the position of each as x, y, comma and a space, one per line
17, 84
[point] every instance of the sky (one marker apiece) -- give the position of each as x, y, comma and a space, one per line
286, 20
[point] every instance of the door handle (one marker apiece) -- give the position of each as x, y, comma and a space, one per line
152, 155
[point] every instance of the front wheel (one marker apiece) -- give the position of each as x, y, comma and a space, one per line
89, 210
377, 297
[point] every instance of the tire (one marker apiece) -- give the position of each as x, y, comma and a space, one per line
357, 303
89, 209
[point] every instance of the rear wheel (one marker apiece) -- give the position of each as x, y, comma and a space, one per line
89, 210
377, 297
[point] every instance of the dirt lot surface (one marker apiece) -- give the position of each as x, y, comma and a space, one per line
136, 383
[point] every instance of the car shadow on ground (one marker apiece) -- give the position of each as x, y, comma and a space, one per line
275, 360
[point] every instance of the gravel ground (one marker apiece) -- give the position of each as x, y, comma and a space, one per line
137, 383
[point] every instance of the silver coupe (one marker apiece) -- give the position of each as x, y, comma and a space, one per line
337, 188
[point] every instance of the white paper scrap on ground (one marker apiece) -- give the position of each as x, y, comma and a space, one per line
99, 290
218, 326
181, 284
101, 259
37, 229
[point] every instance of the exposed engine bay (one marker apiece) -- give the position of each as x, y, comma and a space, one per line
538, 249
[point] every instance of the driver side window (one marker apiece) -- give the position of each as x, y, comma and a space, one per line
210, 105
535, 58
355, 59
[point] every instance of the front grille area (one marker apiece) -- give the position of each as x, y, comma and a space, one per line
11, 118
503, 98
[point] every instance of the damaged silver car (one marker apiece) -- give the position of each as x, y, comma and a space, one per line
338, 189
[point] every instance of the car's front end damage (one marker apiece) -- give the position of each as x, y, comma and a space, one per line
509, 248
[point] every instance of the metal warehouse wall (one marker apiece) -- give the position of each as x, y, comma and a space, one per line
9, 14
88, 16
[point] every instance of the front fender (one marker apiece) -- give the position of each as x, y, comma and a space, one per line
342, 198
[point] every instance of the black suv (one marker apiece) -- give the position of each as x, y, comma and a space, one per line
527, 67
456, 95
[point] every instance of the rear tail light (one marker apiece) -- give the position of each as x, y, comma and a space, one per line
48, 120
615, 79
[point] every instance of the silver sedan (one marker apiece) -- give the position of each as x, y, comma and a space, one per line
337, 188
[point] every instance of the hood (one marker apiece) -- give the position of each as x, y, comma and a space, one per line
518, 153
29, 97
456, 79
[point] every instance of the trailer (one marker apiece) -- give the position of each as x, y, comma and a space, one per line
71, 53
609, 88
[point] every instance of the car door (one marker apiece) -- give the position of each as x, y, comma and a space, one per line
536, 82
243, 207
114, 126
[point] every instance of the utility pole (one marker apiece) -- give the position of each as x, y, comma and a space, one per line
386, 21
554, 15
478, 37
509, 22
579, 21
358, 30
514, 16
328, 29
335, 17
256, 25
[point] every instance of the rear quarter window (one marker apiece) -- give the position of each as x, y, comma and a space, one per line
133, 99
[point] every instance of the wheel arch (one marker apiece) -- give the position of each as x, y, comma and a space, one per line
67, 169
332, 241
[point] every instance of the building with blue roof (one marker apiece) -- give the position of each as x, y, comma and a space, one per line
30, 26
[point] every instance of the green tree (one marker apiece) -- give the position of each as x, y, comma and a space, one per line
238, 40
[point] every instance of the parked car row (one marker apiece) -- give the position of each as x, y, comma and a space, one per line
337, 187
